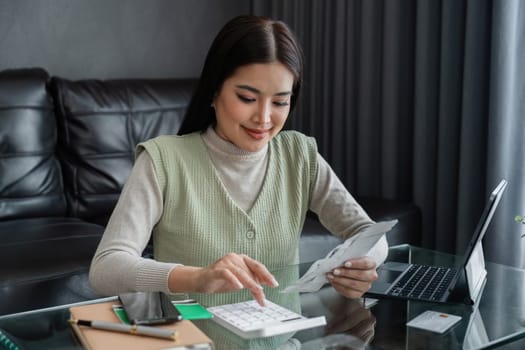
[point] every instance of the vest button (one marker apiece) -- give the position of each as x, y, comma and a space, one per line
250, 235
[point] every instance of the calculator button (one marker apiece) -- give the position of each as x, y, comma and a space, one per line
250, 320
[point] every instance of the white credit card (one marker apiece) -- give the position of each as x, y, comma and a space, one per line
434, 321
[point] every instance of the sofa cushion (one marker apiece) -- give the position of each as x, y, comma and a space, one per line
42, 248
31, 179
69, 287
100, 123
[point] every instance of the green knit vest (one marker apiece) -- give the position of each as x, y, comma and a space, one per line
201, 222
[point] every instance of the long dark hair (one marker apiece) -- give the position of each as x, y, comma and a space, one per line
243, 40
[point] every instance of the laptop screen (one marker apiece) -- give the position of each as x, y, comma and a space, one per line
485, 219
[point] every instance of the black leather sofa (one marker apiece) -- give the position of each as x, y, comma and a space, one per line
66, 149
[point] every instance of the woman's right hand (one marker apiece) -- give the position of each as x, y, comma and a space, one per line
230, 273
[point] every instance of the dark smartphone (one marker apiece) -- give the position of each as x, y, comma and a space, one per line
149, 308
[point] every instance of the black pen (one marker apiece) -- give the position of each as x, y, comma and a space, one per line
130, 329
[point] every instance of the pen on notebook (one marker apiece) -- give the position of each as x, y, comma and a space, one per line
130, 329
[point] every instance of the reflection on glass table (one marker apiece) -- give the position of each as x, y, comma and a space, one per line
498, 320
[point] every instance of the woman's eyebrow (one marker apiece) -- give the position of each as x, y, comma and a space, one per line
257, 91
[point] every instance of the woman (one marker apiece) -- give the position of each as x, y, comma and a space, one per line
226, 199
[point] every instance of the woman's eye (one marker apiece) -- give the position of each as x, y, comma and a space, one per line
281, 103
245, 99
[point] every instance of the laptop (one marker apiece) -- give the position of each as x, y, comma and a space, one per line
462, 284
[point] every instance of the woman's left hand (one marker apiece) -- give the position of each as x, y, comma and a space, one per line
354, 278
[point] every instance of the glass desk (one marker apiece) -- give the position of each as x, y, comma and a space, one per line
498, 321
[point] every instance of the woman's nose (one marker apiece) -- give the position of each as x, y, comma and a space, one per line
264, 112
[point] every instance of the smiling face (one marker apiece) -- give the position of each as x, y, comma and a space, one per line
253, 104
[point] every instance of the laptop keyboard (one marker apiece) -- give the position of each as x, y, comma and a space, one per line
424, 282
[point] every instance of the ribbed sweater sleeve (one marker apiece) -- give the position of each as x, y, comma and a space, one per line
118, 265
338, 210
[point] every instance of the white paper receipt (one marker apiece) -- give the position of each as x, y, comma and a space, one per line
434, 321
354, 247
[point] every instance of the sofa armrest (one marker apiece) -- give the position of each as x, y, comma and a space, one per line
408, 228
316, 241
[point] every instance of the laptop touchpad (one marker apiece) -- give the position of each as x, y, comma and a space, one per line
388, 276
385, 279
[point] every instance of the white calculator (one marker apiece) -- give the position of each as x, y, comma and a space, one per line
250, 320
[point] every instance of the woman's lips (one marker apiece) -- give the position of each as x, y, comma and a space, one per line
257, 134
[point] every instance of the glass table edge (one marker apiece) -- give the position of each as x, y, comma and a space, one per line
57, 307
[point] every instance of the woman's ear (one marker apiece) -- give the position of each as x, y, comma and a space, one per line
213, 100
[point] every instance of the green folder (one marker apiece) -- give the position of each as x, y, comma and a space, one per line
193, 311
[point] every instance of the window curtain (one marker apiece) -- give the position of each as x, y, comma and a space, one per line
421, 101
